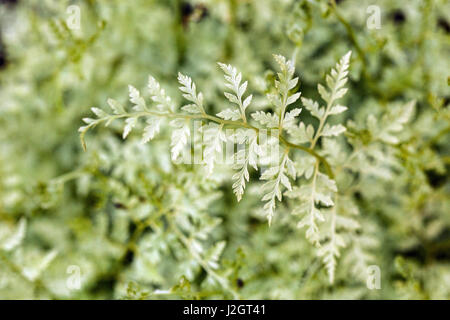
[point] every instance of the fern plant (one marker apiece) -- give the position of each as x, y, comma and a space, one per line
348, 183
315, 196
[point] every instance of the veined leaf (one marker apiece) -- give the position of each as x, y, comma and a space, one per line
335, 130
152, 128
190, 91
275, 177
266, 119
16, 238
136, 99
116, 107
158, 95
289, 118
213, 138
130, 124
229, 114
313, 107
180, 137
233, 81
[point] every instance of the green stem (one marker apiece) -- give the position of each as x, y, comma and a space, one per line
230, 38
352, 37
311, 152
178, 31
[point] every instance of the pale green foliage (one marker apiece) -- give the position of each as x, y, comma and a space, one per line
391, 124
317, 191
320, 188
28, 271
233, 82
15, 238
363, 173
163, 104
245, 157
283, 85
179, 136
315, 195
268, 120
158, 95
276, 175
190, 93
277, 178
213, 135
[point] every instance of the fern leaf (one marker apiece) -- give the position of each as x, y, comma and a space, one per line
245, 157
233, 82
158, 95
190, 92
136, 99
180, 137
275, 178
16, 238
268, 120
213, 138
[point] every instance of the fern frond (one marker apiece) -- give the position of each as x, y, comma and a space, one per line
233, 82
213, 138
285, 83
244, 158
268, 120
335, 82
330, 250
136, 99
275, 177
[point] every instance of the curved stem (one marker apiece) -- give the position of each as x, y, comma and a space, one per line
311, 152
